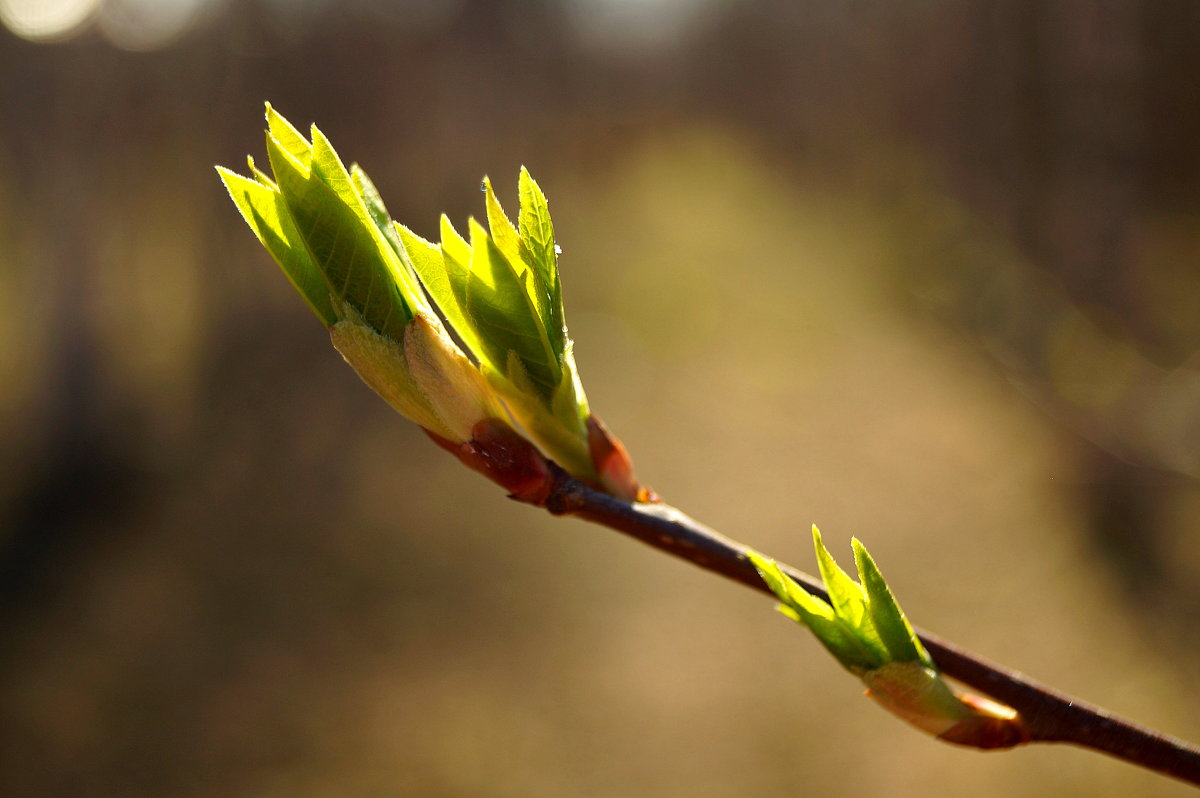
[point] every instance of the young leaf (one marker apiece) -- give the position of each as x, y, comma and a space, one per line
893, 627
438, 274
832, 631
290, 139
329, 167
473, 331
901, 677
453, 244
456, 254
259, 175
570, 403
508, 241
537, 233
375, 207
507, 321
264, 210
346, 250
502, 230
845, 594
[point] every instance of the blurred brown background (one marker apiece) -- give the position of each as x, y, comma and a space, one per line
925, 273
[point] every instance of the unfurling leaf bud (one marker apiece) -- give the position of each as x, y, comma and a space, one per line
863, 626
466, 338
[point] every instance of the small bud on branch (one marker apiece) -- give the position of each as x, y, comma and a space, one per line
864, 628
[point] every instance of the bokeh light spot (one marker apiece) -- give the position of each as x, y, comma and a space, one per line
148, 24
46, 20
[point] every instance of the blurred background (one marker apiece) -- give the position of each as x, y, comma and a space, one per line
924, 273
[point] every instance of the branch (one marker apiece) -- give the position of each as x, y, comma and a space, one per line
1046, 714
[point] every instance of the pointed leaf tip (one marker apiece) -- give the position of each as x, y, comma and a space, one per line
845, 594
502, 230
889, 620
264, 210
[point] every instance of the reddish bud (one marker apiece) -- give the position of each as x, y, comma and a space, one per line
992, 725
613, 464
500, 454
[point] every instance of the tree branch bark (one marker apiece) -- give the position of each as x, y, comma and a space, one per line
1048, 715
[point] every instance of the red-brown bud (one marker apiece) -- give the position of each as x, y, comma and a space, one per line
613, 464
503, 456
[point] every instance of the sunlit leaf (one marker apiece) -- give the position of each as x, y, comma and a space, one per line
436, 274
570, 403
265, 212
259, 175
456, 254
890, 622
290, 139
375, 207
845, 594
832, 631
454, 244
491, 343
502, 231
345, 249
508, 241
537, 233
501, 309
329, 167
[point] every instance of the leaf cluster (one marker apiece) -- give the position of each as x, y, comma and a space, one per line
492, 299
862, 625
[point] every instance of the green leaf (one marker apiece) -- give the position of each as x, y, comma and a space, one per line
494, 302
264, 210
537, 233
890, 622
438, 275
334, 174
290, 139
570, 403
845, 594
375, 207
788, 590
838, 637
508, 241
504, 315
539, 298
456, 253
259, 175
454, 245
501, 229
347, 249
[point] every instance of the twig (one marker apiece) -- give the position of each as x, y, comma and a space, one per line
1047, 715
